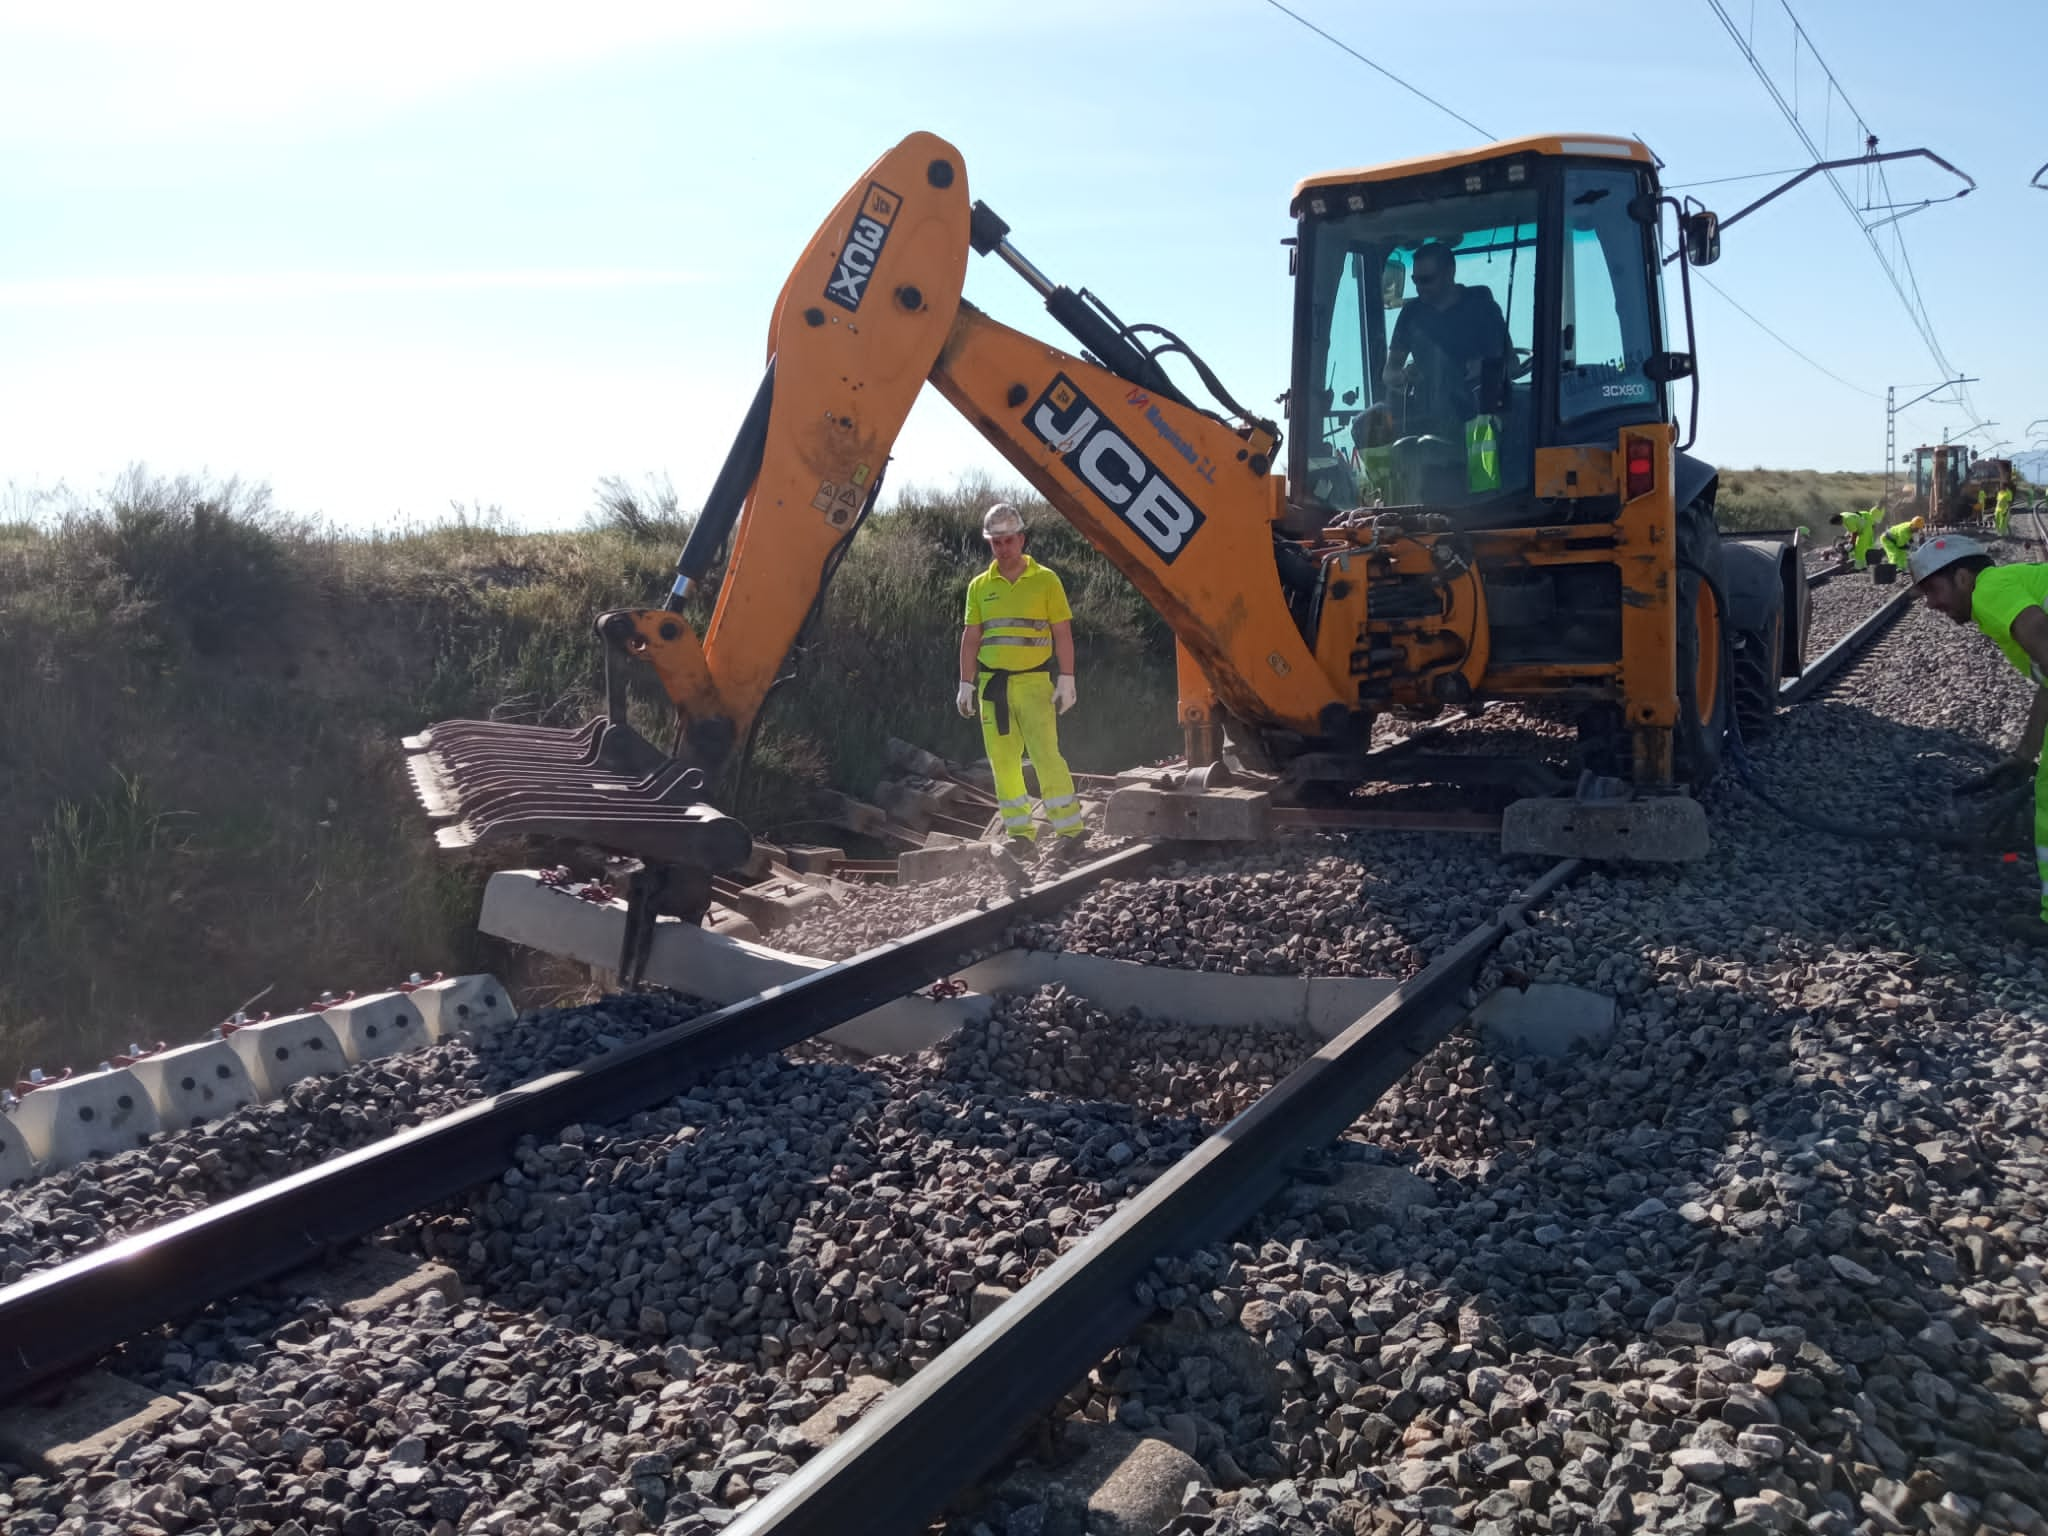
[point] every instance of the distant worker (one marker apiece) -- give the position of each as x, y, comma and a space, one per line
2001, 517
1862, 529
1018, 629
1980, 503
1897, 541
1442, 339
1956, 576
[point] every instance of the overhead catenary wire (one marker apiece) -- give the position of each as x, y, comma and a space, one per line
1908, 288
1412, 90
1718, 181
1338, 42
1781, 341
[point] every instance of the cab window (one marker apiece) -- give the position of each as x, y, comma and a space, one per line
1400, 383
1606, 334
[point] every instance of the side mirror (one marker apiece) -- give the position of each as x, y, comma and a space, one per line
1702, 238
1663, 367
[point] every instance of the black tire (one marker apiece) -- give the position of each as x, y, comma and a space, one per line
1754, 676
1702, 658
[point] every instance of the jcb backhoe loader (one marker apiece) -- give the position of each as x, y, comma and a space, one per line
1948, 478
1485, 497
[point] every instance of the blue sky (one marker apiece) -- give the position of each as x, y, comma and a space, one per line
390, 257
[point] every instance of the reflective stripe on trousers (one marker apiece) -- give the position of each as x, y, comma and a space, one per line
1064, 812
1034, 730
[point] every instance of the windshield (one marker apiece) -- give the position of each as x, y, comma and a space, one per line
1421, 322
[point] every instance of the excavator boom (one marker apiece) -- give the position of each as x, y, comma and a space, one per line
1180, 500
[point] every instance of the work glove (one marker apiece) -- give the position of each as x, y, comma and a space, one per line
2006, 773
1063, 692
963, 700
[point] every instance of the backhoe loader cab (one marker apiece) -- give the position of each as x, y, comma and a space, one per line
1481, 409
1543, 333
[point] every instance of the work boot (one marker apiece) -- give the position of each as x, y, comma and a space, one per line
1066, 851
1013, 863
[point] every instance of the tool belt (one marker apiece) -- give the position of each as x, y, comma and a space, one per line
995, 690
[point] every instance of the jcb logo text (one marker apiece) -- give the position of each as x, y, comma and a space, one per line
1111, 466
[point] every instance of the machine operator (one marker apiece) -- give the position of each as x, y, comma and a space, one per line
1441, 339
1017, 630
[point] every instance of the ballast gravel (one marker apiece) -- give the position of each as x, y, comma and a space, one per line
83, 1208
1775, 1258
1378, 905
655, 1307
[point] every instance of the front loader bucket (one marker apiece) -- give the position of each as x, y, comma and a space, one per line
601, 784
1661, 829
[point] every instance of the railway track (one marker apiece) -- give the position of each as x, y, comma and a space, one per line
967, 1409
966, 1406
76, 1311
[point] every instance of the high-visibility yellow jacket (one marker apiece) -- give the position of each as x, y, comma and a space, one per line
1016, 617
2001, 594
1897, 541
1862, 529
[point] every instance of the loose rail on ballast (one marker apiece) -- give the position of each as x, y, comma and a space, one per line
75, 1311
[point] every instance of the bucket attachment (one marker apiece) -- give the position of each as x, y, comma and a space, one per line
602, 784
1661, 829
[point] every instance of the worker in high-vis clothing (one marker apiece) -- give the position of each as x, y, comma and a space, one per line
1017, 668
1897, 541
2001, 514
1862, 530
2009, 604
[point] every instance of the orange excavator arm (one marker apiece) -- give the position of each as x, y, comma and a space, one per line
1182, 502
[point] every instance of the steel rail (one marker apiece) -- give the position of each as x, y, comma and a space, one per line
73, 1312
965, 1410
931, 1438
1823, 669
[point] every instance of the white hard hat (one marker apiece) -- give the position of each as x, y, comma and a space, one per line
1940, 553
1001, 518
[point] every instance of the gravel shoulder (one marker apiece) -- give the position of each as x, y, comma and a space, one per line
1771, 1260
657, 1306
80, 1209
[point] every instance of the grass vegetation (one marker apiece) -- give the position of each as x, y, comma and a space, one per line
1787, 498
202, 797
205, 798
